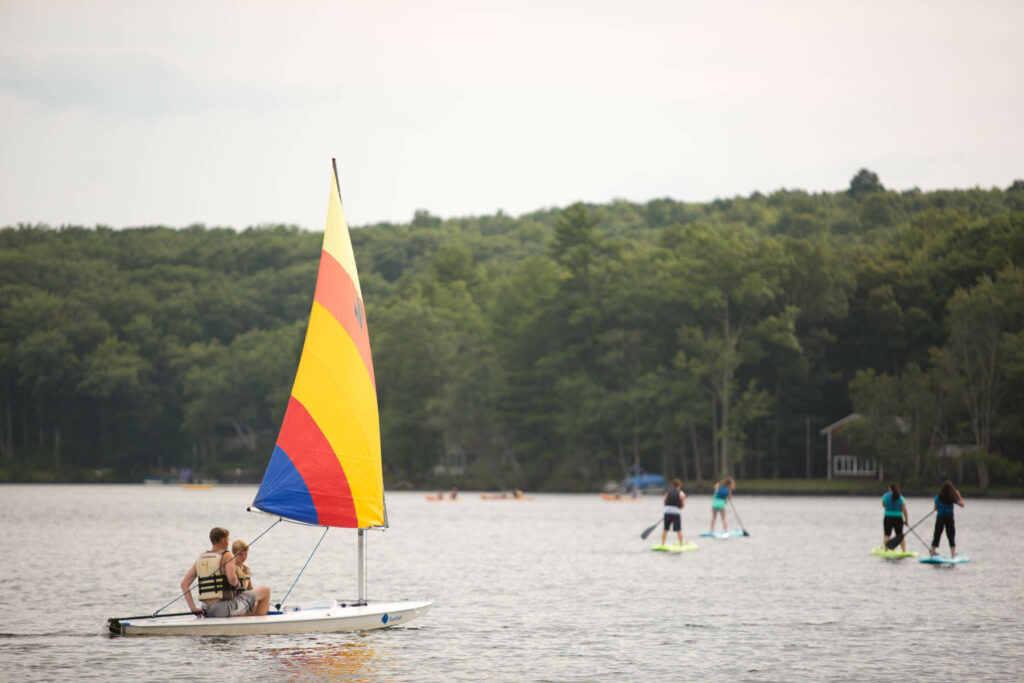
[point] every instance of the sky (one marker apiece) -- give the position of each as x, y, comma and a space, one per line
172, 113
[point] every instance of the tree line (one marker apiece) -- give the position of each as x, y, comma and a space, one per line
553, 350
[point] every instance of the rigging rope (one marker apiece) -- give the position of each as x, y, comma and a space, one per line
278, 605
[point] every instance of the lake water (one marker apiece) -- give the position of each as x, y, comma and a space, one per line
557, 588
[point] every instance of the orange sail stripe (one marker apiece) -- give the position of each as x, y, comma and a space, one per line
336, 292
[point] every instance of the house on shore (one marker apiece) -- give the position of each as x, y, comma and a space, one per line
843, 463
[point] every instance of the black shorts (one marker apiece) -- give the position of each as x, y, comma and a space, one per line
673, 522
890, 523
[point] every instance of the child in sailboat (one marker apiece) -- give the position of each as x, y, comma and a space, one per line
241, 551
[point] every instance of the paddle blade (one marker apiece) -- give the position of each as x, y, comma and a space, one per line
648, 530
745, 533
894, 541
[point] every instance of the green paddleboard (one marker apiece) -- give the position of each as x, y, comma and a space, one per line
891, 554
675, 547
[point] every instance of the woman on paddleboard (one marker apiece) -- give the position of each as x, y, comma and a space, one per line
723, 491
895, 515
674, 501
944, 501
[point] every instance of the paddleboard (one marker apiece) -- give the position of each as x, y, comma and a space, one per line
892, 554
731, 533
946, 559
686, 547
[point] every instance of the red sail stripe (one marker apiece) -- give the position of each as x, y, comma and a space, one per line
318, 465
336, 292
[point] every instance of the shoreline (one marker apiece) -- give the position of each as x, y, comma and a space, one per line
751, 487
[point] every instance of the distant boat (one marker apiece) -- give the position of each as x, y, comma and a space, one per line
326, 467
506, 495
620, 497
197, 487
642, 481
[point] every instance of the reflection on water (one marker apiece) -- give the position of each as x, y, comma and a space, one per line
356, 659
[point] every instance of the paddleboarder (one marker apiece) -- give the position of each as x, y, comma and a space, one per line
947, 497
723, 491
895, 515
674, 502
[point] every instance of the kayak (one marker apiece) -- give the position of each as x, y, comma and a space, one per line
444, 500
619, 497
686, 547
504, 496
946, 559
892, 554
731, 533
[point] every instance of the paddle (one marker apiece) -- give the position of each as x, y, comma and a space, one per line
648, 530
737, 516
921, 539
896, 540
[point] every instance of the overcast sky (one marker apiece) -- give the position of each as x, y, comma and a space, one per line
228, 113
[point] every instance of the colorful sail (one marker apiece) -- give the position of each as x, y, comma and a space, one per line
326, 466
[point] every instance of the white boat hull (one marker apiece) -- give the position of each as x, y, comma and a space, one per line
323, 617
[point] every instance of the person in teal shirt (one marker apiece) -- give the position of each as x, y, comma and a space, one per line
722, 494
948, 497
895, 515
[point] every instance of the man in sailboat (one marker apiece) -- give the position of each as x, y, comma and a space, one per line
220, 591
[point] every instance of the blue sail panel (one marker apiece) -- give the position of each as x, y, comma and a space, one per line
283, 491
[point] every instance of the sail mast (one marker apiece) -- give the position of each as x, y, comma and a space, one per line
361, 576
361, 548
337, 183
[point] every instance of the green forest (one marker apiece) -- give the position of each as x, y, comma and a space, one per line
550, 351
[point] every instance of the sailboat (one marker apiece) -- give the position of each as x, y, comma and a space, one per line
326, 466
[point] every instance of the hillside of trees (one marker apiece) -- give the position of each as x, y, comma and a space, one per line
549, 351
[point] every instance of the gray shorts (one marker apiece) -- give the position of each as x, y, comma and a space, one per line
235, 607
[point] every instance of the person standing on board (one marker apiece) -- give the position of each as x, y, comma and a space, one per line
723, 491
219, 589
674, 501
895, 515
944, 501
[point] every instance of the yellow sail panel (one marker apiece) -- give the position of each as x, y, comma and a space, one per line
337, 242
333, 384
